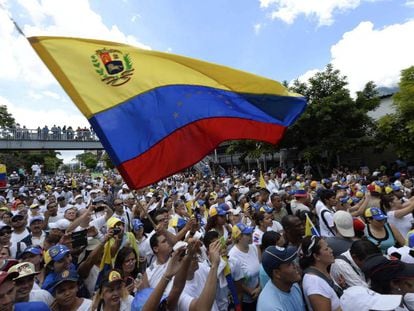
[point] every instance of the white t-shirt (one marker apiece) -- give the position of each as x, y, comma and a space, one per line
86, 305
314, 285
194, 287
276, 226
155, 273
327, 216
245, 266
17, 237
90, 281
402, 224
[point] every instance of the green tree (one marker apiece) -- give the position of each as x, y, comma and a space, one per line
397, 129
107, 160
333, 123
6, 119
88, 159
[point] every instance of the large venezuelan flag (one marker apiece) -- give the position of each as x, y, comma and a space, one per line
158, 113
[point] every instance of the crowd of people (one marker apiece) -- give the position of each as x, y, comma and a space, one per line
242, 241
53, 133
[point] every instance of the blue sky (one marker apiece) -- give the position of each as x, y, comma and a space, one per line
279, 39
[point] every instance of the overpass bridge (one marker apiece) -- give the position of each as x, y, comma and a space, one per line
45, 139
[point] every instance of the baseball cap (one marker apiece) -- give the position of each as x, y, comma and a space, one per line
34, 205
382, 266
112, 222
344, 223
363, 299
111, 277
137, 224
61, 224
266, 209
4, 276
79, 196
35, 219
239, 229
274, 256
64, 276
35, 250
358, 225
301, 193
57, 252
23, 269
375, 213
402, 253
216, 210
374, 188
313, 183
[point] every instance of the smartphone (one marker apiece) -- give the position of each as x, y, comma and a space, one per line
223, 242
117, 230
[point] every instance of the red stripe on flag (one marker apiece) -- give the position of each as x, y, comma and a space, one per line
175, 152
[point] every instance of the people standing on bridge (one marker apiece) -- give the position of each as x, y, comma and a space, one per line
45, 132
70, 133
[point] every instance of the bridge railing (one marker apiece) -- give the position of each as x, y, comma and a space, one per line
47, 134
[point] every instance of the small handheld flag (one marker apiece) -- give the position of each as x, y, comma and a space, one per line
310, 228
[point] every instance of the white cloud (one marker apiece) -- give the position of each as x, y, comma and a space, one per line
409, 3
32, 118
257, 28
321, 10
51, 94
365, 54
135, 17
306, 76
54, 18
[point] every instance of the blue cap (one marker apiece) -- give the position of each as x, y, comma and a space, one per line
223, 206
257, 206
58, 251
64, 276
344, 200
239, 229
397, 175
35, 250
266, 209
395, 187
137, 224
301, 193
201, 202
342, 187
375, 213
274, 256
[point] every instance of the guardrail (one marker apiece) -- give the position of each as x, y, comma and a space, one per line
47, 135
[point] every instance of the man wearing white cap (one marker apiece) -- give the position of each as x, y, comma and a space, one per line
345, 233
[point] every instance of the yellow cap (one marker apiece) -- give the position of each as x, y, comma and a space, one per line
112, 222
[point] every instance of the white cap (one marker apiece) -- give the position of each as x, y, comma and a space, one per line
344, 224
79, 196
125, 186
403, 251
363, 299
61, 224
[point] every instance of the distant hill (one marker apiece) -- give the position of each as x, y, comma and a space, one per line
386, 91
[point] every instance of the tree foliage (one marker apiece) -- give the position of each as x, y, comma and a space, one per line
15, 159
6, 119
397, 129
88, 159
333, 123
